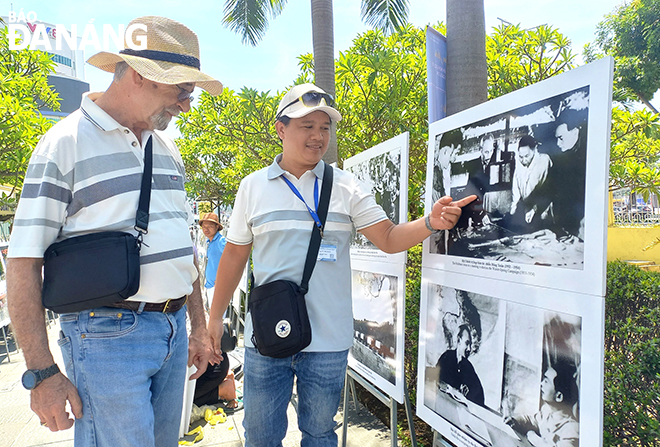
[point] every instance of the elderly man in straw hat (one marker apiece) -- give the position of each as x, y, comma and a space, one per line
215, 245
126, 364
273, 217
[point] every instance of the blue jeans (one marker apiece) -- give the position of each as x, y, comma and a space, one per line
129, 369
268, 385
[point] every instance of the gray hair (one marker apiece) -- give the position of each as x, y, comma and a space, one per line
121, 68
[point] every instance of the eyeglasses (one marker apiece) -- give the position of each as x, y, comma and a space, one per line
184, 94
310, 99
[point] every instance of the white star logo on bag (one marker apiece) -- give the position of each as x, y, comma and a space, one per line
283, 328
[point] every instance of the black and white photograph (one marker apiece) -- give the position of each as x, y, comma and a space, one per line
501, 369
384, 167
527, 166
378, 325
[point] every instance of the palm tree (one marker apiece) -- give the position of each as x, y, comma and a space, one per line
467, 75
323, 43
249, 18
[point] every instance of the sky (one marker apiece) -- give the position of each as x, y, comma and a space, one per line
273, 64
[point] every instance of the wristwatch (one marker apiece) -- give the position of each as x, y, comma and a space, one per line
33, 377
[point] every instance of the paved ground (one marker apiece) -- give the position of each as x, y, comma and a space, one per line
19, 427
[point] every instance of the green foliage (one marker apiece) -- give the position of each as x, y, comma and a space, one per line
635, 151
205, 207
631, 34
518, 57
225, 138
413, 290
249, 18
23, 90
386, 15
381, 92
632, 357
229, 136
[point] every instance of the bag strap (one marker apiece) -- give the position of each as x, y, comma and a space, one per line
315, 242
142, 216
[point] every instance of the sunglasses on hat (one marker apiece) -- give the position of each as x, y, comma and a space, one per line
309, 99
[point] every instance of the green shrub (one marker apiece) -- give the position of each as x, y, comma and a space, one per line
632, 357
413, 289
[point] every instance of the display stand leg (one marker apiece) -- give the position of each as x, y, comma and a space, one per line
409, 415
439, 441
351, 378
354, 394
347, 388
4, 338
393, 428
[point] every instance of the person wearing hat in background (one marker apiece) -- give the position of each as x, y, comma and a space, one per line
272, 222
215, 244
126, 364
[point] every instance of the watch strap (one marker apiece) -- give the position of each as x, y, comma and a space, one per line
40, 375
427, 221
48, 372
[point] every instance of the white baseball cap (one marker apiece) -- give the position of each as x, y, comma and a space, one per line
304, 99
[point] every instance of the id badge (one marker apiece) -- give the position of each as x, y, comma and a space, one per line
328, 250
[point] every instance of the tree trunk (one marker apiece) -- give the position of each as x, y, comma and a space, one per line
324, 59
467, 77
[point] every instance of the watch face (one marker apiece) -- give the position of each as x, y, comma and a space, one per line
29, 380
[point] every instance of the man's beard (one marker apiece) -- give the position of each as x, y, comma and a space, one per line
161, 120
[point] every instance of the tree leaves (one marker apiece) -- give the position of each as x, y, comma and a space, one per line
631, 34
387, 16
23, 90
249, 18
635, 151
518, 57
225, 138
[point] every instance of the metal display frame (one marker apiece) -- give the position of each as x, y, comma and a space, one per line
351, 377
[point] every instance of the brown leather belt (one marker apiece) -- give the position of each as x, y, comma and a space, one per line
168, 306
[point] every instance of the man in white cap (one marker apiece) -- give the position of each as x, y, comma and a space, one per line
126, 364
270, 219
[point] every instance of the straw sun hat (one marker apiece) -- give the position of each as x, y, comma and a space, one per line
211, 217
171, 56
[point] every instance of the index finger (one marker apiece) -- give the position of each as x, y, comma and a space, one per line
464, 201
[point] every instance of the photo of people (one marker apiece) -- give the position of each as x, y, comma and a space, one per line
378, 325
465, 332
499, 371
384, 167
537, 161
527, 167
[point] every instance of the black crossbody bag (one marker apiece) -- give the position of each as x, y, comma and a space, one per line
97, 269
280, 324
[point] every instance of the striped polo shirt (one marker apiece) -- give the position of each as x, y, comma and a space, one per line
269, 215
84, 177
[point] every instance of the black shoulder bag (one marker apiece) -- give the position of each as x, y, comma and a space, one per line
280, 324
97, 269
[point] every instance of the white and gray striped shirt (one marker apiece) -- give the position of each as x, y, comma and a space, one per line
84, 177
269, 215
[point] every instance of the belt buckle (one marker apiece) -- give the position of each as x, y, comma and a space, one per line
167, 303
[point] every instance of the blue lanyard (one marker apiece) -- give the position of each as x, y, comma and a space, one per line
312, 212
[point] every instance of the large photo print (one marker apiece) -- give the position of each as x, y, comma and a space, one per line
501, 372
378, 325
384, 167
527, 168
532, 166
